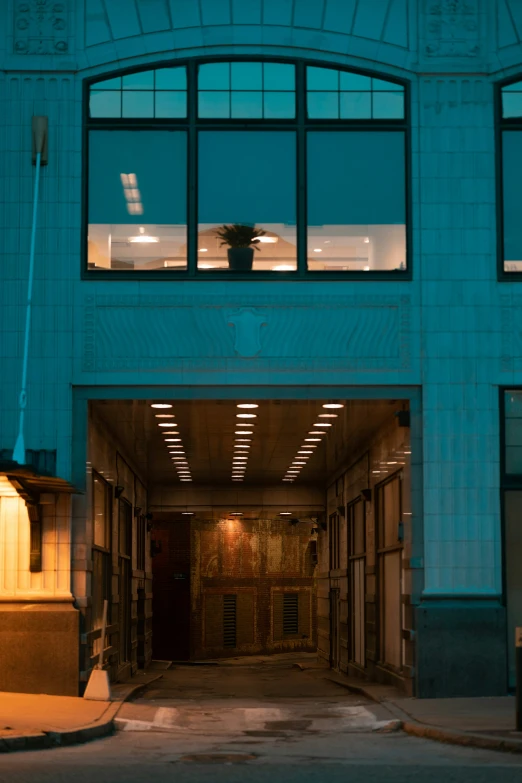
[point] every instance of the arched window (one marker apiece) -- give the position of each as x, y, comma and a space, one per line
511, 177
269, 168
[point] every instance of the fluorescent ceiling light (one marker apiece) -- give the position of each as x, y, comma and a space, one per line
165, 423
333, 405
267, 240
283, 268
323, 424
143, 239
305, 452
328, 415
164, 415
160, 405
236, 514
243, 440
246, 415
206, 266
173, 440
203, 249
247, 405
318, 250
185, 479
285, 513
312, 439
313, 432
184, 513
243, 432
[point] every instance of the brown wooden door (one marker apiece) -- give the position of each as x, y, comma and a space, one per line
171, 592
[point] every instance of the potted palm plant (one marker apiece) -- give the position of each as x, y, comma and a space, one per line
241, 241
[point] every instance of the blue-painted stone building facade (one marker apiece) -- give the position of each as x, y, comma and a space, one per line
442, 331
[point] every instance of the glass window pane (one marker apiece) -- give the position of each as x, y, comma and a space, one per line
279, 105
356, 105
108, 84
355, 82
137, 104
384, 86
322, 79
171, 79
388, 106
247, 104
214, 104
171, 104
258, 191
247, 76
139, 81
512, 198
356, 201
512, 104
100, 509
279, 76
105, 104
214, 76
137, 200
513, 404
323, 105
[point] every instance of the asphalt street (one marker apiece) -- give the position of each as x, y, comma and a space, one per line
261, 723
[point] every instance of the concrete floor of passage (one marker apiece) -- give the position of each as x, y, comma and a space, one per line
209, 723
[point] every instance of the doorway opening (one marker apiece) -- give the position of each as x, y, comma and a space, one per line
256, 528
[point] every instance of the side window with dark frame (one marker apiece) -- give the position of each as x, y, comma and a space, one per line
195, 170
102, 546
511, 178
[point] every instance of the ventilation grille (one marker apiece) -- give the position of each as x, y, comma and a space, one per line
229, 621
290, 614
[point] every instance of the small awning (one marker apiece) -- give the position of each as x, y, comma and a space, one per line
29, 481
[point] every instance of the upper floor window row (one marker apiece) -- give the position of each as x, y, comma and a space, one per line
246, 167
246, 90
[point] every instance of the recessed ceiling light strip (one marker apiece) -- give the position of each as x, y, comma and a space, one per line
174, 444
320, 428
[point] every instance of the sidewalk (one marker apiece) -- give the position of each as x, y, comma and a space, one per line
487, 722
31, 721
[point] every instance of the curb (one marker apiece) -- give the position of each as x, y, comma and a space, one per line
92, 731
463, 738
426, 731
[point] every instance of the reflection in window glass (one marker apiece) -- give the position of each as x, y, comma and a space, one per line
256, 190
137, 104
137, 200
105, 103
512, 199
356, 201
388, 105
333, 94
147, 94
246, 90
144, 80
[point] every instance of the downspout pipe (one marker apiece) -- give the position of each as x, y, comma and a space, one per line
39, 158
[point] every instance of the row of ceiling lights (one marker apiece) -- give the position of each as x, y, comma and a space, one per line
173, 440
244, 424
314, 437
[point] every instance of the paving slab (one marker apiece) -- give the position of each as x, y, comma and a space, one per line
31, 721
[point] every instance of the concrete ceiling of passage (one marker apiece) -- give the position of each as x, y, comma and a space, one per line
208, 438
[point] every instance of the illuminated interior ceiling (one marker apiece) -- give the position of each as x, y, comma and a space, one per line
215, 455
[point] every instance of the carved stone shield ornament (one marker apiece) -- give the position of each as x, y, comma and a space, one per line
247, 323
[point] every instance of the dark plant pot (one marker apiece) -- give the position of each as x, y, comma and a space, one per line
240, 258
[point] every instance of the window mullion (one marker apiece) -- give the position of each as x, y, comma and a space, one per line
300, 97
192, 172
